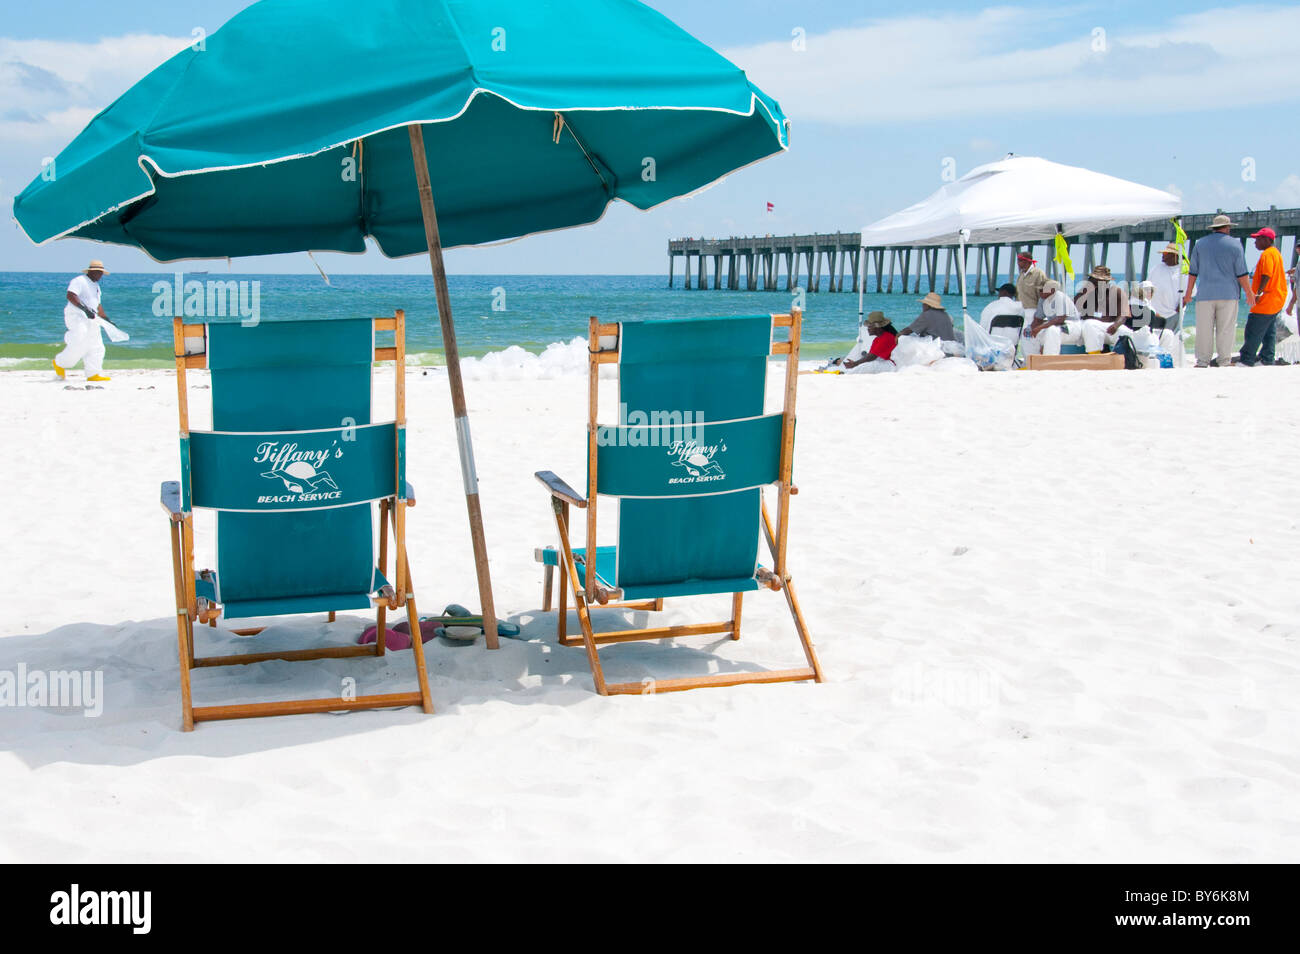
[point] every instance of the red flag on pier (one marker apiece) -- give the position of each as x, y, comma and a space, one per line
771, 207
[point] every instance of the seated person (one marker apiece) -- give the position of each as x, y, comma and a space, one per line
1007, 303
877, 356
1140, 311
1056, 322
1151, 329
934, 322
1105, 308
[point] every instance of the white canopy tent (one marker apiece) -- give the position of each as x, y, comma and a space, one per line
1017, 199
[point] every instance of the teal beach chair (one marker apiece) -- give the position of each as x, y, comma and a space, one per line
687, 463
294, 467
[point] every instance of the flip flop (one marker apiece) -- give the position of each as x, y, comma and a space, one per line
456, 615
428, 629
397, 638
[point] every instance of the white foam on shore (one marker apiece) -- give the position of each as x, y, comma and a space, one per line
559, 360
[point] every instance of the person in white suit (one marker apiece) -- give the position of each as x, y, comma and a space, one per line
83, 341
1055, 322
1168, 285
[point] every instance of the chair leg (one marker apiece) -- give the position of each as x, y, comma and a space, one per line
804, 638
184, 638
579, 602
562, 622
417, 640
736, 599
184, 634
381, 631
548, 580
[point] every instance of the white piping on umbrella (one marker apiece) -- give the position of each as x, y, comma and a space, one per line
334, 251
783, 139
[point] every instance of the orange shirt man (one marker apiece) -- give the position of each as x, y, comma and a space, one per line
1269, 288
1269, 282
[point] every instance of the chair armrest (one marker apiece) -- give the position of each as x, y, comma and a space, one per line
560, 489
170, 498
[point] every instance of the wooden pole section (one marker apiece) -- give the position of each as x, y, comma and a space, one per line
593, 400
468, 473
399, 493
787, 441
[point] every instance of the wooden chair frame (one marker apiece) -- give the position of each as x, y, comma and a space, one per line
564, 497
190, 608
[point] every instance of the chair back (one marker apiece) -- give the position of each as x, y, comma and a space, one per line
292, 464
692, 449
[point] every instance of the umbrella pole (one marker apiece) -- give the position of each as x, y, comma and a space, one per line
468, 473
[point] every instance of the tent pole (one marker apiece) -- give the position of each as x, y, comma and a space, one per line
862, 278
961, 270
468, 473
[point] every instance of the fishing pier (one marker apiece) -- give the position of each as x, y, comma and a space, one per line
787, 262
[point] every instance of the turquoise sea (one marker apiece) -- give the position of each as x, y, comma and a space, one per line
531, 311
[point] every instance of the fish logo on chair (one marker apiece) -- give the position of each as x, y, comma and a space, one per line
300, 477
301, 471
698, 460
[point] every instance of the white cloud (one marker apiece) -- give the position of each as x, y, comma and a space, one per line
931, 67
1287, 194
50, 89
1235, 196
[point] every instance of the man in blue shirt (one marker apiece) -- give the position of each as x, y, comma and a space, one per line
1218, 263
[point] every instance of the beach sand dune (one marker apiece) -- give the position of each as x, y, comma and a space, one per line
1055, 611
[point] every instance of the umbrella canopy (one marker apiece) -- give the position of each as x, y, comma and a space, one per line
1022, 199
287, 131
301, 125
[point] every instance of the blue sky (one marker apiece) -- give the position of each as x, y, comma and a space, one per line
1198, 97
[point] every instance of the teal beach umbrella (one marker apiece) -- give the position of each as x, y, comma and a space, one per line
312, 125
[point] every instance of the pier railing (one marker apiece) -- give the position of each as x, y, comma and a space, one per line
766, 262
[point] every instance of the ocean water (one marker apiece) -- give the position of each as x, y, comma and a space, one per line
492, 312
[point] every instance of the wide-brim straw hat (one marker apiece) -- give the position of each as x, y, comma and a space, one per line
1220, 221
1101, 272
1051, 286
95, 266
1170, 249
877, 319
933, 300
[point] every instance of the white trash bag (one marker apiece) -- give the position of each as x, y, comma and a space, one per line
989, 352
1288, 345
914, 350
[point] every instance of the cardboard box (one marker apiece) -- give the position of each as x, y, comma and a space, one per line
1076, 362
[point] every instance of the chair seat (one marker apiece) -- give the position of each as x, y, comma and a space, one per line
607, 561
206, 588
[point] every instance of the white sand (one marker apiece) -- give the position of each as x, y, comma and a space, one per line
1056, 613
